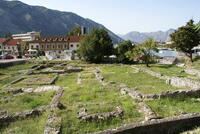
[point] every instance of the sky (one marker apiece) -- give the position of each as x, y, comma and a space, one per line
123, 16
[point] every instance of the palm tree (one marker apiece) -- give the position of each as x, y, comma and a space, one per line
198, 26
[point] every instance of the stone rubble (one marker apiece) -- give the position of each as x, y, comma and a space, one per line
53, 125
131, 92
99, 77
6, 118
82, 115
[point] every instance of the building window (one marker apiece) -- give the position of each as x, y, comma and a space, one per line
59, 52
0, 47
13, 48
65, 46
77, 45
8, 47
72, 45
31, 46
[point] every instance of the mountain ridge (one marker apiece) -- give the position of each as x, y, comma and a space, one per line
140, 37
18, 17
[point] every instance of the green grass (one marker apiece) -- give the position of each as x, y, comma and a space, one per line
167, 70
16, 68
174, 106
141, 81
87, 76
93, 93
68, 80
44, 79
27, 126
26, 102
7, 81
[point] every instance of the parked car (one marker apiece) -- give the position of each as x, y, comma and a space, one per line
2, 56
8, 57
26, 55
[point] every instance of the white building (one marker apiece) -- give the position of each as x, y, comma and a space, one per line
56, 47
10, 46
29, 36
196, 50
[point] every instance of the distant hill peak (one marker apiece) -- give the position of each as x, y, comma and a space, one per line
18, 17
140, 37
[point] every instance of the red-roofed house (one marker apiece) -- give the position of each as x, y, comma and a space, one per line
2, 40
10, 46
56, 47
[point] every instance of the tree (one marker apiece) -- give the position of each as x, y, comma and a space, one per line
122, 48
95, 46
8, 35
198, 27
143, 51
185, 39
75, 31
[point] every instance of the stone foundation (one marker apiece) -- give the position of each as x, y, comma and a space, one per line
195, 93
173, 125
53, 125
5, 118
82, 115
182, 82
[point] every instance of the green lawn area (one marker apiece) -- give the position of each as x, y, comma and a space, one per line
7, 80
34, 80
28, 126
141, 81
167, 70
168, 107
26, 101
15, 69
98, 99
67, 80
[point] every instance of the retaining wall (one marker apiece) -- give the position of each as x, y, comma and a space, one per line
172, 125
6, 63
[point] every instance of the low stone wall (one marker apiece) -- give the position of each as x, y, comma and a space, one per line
53, 125
12, 91
84, 116
14, 82
41, 89
17, 80
43, 66
131, 92
173, 125
147, 111
174, 81
158, 75
192, 71
79, 79
11, 63
47, 83
189, 93
7, 118
73, 70
51, 72
99, 77
182, 82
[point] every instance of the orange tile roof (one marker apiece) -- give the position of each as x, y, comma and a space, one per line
12, 42
2, 40
57, 39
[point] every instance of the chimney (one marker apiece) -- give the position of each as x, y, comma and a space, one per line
83, 30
